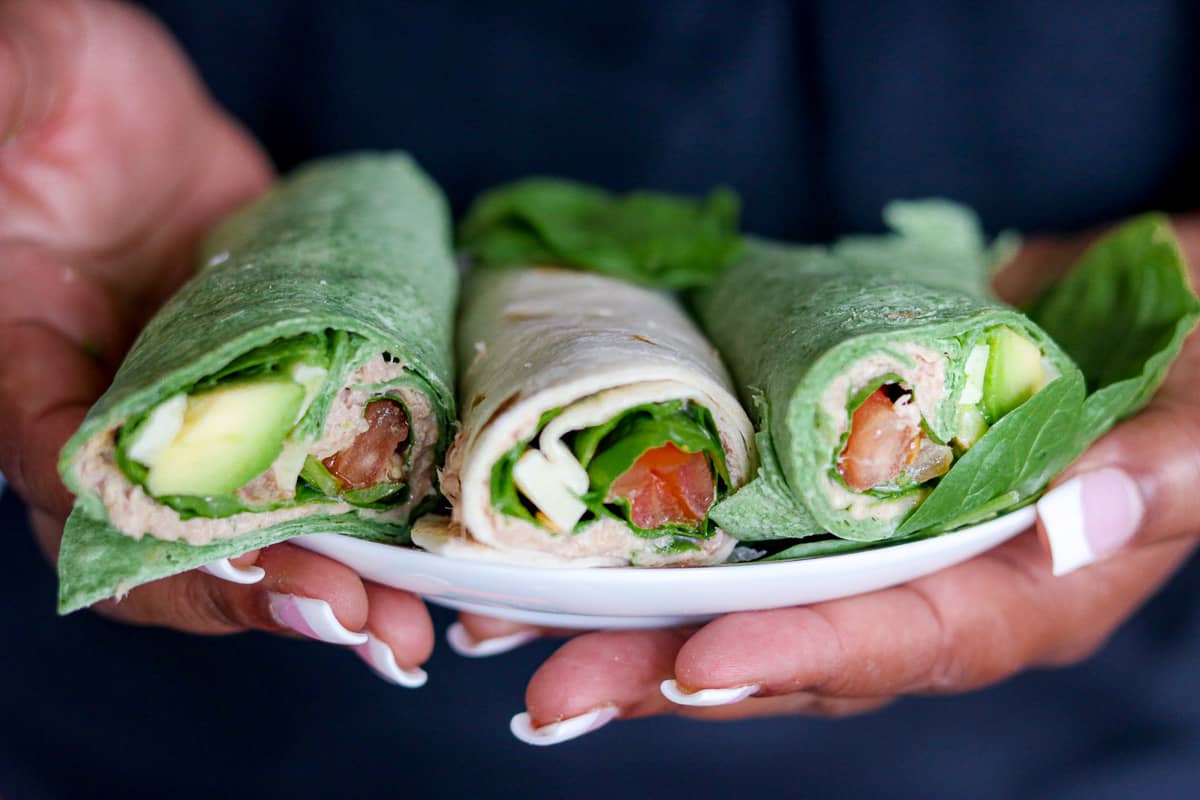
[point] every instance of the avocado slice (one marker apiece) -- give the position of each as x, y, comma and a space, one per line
229, 436
1014, 373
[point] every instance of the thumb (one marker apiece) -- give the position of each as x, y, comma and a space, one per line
1138, 485
39, 42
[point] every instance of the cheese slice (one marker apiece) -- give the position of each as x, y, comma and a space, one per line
976, 365
289, 463
159, 430
312, 379
539, 481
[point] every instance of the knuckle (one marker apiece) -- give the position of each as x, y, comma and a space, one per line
968, 650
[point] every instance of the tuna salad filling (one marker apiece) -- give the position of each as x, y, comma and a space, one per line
290, 429
653, 470
908, 421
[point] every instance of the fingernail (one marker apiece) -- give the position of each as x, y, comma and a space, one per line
380, 658
311, 617
707, 697
1090, 516
465, 644
224, 569
563, 730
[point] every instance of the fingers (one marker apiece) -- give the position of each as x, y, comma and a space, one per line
302, 592
600, 677
966, 627
399, 636
46, 385
611, 669
1137, 485
477, 636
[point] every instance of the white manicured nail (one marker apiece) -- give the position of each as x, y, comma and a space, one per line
224, 569
465, 644
1090, 516
313, 618
563, 730
707, 697
381, 659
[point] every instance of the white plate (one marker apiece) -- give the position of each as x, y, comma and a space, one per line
628, 597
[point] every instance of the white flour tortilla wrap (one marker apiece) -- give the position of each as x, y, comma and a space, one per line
539, 340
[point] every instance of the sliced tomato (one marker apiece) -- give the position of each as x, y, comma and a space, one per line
372, 457
666, 485
881, 442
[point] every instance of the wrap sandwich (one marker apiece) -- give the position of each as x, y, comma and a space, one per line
894, 397
598, 425
300, 382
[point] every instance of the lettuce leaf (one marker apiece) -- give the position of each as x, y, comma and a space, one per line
1015, 459
653, 239
1122, 314
609, 449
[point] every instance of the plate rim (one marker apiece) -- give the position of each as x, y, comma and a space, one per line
865, 559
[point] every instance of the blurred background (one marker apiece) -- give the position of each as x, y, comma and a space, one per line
1045, 118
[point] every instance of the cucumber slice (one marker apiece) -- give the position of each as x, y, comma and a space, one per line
1014, 373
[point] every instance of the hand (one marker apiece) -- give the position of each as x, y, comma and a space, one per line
1120, 521
113, 162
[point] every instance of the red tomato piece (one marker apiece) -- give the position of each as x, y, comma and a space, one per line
667, 485
881, 442
369, 459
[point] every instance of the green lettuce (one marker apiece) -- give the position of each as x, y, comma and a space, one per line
648, 238
607, 451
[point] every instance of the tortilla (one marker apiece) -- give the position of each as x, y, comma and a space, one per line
356, 249
796, 324
548, 353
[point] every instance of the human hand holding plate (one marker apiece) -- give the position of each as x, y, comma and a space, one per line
965, 627
113, 161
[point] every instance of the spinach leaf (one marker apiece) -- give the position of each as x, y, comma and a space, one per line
226, 505
505, 497
627, 437
649, 238
609, 449
1020, 453
381, 495
308, 348
830, 546
1122, 314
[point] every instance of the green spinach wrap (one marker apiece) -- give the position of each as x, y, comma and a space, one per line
300, 382
894, 397
598, 425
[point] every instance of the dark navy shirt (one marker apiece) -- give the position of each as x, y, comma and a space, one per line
1041, 116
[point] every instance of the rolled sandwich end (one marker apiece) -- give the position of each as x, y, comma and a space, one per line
239, 452
897, 419
622, 475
